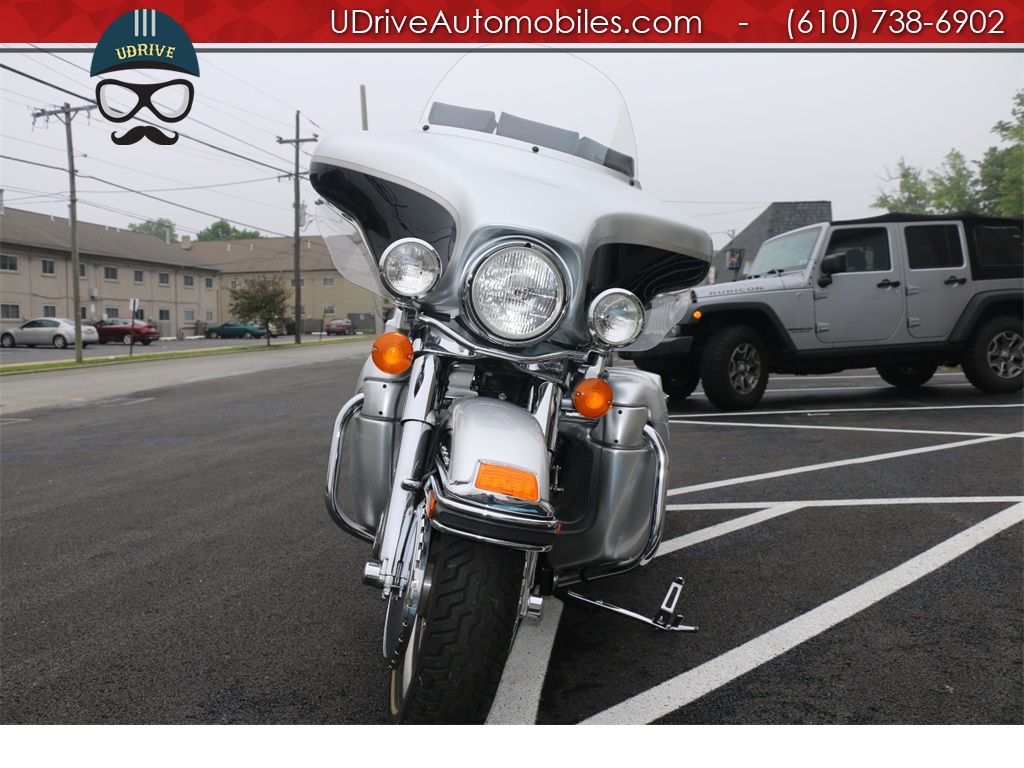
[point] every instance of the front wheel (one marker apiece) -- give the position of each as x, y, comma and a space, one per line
907, 376
734, 367
994, 360
460, 638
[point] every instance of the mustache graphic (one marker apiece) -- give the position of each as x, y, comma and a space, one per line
140, 132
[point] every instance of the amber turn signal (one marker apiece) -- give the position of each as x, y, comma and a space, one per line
508, 481
593, 398
392, 353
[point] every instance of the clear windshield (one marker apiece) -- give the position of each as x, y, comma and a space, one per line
786, 252
539, 96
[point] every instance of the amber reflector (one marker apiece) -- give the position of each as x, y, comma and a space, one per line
392, 353
508, 481
593, 398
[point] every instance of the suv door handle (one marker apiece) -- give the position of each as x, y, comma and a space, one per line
887, 283
953, 280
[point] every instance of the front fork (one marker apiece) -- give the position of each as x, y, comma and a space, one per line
392, 562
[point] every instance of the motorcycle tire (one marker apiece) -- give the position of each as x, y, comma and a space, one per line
460, 641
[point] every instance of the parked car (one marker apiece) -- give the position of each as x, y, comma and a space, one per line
341, 326
123, 331
43, 331
236, 329
903, 293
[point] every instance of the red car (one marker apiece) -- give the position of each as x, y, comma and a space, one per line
120, 330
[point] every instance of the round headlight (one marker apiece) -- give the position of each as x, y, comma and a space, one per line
517, 293
616, 317
410, 267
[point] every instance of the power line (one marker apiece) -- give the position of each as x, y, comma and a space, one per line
147, 122
137, 192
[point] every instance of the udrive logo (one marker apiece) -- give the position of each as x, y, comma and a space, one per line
140, 40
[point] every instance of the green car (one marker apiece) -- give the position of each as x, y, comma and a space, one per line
236, 329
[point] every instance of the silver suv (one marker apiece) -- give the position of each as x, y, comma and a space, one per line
902, 293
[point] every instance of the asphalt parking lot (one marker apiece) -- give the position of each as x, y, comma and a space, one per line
852, 554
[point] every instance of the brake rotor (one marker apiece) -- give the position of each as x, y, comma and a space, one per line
404, 603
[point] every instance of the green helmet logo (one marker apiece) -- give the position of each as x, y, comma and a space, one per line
144, 39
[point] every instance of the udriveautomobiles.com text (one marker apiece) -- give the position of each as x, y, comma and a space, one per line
583, 22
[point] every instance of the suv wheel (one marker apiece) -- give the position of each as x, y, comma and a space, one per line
907, 376
994, 359
734, 367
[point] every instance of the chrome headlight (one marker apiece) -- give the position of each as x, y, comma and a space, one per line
517, 293
616, 317
410, 267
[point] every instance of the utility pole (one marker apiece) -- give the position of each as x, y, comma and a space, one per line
66, 114
298, 219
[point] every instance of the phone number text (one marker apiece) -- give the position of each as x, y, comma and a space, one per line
847, 23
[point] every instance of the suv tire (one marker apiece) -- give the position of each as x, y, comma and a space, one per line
994, 359
734, 367
907, 376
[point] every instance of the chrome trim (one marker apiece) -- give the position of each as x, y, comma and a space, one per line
539, 515
437, 273
475, 262
590, 317
470, 350
334, 508
488, 540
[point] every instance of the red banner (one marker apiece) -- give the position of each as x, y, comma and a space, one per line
551, 22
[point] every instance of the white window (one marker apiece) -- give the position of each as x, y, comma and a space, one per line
209, 316
8, 263
165, 314
49, 310
189, 281
303, 309
163, 278
137, 276
49, 267
209, 282
328, 309
328, 282
10, 311
190, 315
110, 273
81, 269
112, 312
236, 284
302, 282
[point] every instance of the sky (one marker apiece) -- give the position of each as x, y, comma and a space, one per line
720, 135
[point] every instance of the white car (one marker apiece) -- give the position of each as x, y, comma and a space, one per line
44, 331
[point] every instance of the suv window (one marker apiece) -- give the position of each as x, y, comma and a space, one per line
934, 247
999, 246
867, 248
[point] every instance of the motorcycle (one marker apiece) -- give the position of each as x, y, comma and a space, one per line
495, 455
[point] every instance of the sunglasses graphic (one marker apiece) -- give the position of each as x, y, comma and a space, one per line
119, 101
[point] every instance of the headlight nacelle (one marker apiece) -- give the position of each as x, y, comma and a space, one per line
517, 293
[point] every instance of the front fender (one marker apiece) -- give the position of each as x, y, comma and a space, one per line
478, 431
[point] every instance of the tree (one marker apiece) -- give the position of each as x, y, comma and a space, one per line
954, 187
996, 187
912, 196
262, 299
222, 230
157, 228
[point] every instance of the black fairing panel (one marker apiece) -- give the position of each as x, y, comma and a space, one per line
385, 210
644, 270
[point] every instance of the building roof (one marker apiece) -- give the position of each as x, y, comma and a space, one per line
262, 254
39, 230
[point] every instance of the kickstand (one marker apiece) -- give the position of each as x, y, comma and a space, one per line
668, 617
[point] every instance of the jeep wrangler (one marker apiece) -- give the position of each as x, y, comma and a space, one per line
902, 293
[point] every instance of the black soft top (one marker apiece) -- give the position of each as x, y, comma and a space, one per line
964, 216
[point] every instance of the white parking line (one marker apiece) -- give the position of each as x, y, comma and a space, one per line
831, 411
760, 425
518, 695
690, 686
833, 464
768, 511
